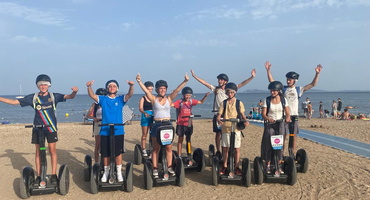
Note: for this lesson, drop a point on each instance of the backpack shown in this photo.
(268, 103)
(178, 110)
(35, 96)
(240, 125)
(298, 89)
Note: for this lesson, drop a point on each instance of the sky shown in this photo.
(75, 41)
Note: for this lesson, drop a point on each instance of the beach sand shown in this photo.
(332, 174)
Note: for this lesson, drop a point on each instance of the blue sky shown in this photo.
(75, 41)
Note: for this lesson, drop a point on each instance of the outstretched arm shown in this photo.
(130, 90)
(173, 95)
(90, 91)
(9, 101)
(253, 74)
(315, 79)
(146, 91)
(201, 80)
(73, 94)
(204, 98)
(268, 70)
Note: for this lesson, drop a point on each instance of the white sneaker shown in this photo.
(155, 172)
(119, 177)
(104, 178)
(145, 153)
(171, 171)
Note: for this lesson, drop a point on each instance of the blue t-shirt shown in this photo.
(44, 111)
(112, 113)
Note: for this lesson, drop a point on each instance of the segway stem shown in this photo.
(291, 137)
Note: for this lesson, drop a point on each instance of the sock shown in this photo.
(106, 170)
(119, 169)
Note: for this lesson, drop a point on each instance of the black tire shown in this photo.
(215, 171)
(63, 180)
(87, 168)
(129, 184)
(174, 156)
(258, 170)
(199, 158)
(137, 155)
(291, 170)
(211, 153)
(302, 159)
(26, 182)
(246, 169)
(94, 178)
(180, 172)
(148, 178)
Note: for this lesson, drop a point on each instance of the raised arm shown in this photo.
(204, 98)
(9, 101)
(253, 74)
(174, 93)
(268, 70)
(73, 94)
(90, 91)
(209, 86)
(315, 79)
(146, 91)
(130, 90)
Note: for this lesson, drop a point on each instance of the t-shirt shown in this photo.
(44, 110)
(230, 112)
(112, 113)
(292, 97)
(185, 110)
(220, 96)
(276, 110)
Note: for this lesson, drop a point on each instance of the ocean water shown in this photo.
(77, 107)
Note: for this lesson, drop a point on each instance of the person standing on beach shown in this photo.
(305, 107)
(220, 96)
(321, 110)
(44, 103)
(146, 109)
(293, 93)
(309, 110)
(334, 109)
(339, 107)
(112, 105)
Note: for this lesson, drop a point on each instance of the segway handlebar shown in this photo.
(191, 116)
(111, 124)
(37, 126)
(234, 120)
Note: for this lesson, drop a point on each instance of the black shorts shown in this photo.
(50, 137)
(184, 130)
(216, 128)
(105, 145)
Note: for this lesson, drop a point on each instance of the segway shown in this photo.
(139, 157)
(165, 136)
(212, 152)
(43, 184)
(301, 157)
(288, 165)
(197, 160)
(97, 170)
(230, 176)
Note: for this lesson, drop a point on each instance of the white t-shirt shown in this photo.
(220, 97)
(276, 110)
(292, 97)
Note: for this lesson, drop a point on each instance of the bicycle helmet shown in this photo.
(292, 75)
(101, 91)
(111, 81)
(223, 77)
(161, 83)
(275, 85)
(43, 78)
(231, 86)
(187, 90)
(149, 84)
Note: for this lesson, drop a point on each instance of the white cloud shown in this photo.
(127, 26)
(22, 38)
(218, 13)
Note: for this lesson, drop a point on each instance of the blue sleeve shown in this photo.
(26, 101)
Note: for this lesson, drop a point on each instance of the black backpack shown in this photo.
(268, 103)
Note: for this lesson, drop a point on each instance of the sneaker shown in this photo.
(155, 173)
(223, 171)
(145, 153)
(281, 170)
(104, 178)
(268, 169)
(171, 171)
(190, 163)
(119, 177)
(238, 171)
(54, 179)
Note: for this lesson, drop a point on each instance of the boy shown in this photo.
(44, 103)
(230, 112)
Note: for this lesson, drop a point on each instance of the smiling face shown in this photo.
(150, 89)
(187, 97)
(290, 82)
(43, 88)
(161, 91)
(112, 88)
(274, 93)
(230, 93)
(221, 82)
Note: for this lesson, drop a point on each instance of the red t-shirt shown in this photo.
(185, 110)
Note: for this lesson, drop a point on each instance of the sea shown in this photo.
(73, 110)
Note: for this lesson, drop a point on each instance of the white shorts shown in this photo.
(225, 139)
(96, 128)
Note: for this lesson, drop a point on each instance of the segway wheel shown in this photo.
(26, 182)
(148, 178)
(87, 168)
(215, 171)
(63, 180)
(137, 155)
(291, 169)
(199, 158)
(258, 170)
(180, 172)
(246, 169)
(129, 186)
(302, 159)
(94, 178)
(211, 153)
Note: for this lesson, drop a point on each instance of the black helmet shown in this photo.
(43, 77)
(223, 77)
(149, 84)
(111, 81)
(161, 83)
(232, 86)
(275, 85)
(187, 90)
(292, 75)
(101, 91)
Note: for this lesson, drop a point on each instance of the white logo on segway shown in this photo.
(166, 136)
(277, 142)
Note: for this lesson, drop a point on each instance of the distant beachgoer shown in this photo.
(321, 111)
(304, 107)
(309, 110)
(345, 115)
(339, 108)
(334, 109)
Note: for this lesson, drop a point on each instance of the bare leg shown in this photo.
(144, 131)
(217, 141)
(237, 157)
(169, 154)
(54, 158)
(155, 152)
(179, 145)
(225, 155)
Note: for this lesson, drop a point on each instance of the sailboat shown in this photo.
(20, 93)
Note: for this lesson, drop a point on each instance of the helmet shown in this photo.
(148, 84)
(101, 91)
(43, 77)
(223, 77)
(231, 86)
(292, 75)
(111, 81)
(187, 90)
(275, 85)
(161, 83)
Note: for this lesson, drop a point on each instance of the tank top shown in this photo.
(160, 111)
(147, 105)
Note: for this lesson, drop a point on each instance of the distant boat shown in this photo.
(20, 93)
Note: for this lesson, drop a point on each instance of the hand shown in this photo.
(138, 77)
(267, 65)
(89, 83)
(74, 89)
(186, 77)
(246, 123)
(318, 68)
(207, 94)
(287, 120)
(130, 83)
(192, 73)
(253, 72)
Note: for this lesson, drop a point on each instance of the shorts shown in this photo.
(155, 126)
(294, 124)
(96, 128)
(184, 130)
(146, 121)
(216, 127)
(225, 139)
(50, 137)
(105, 145)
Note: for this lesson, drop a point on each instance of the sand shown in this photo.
(332, 174)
